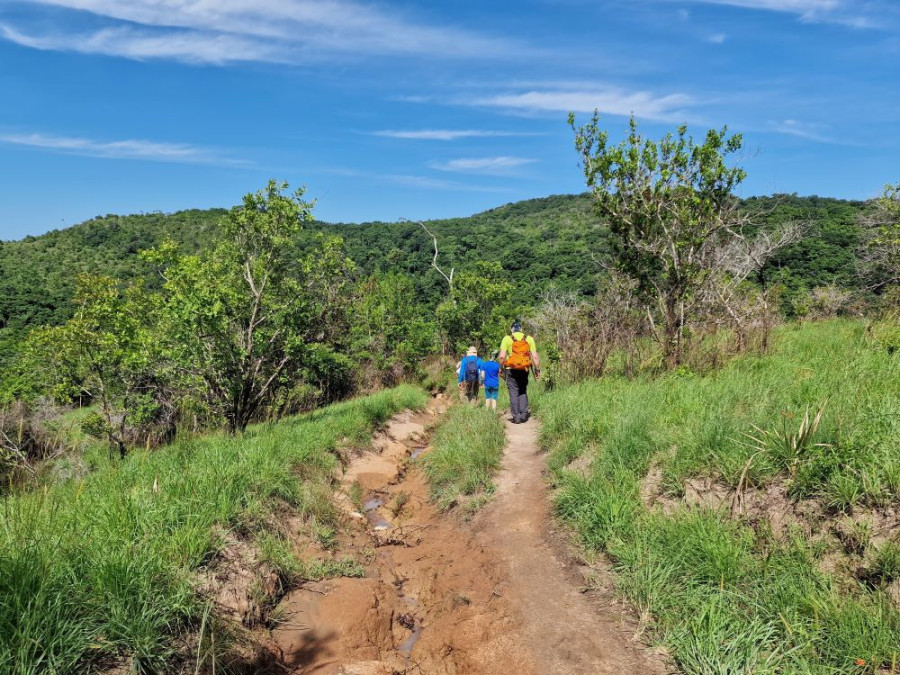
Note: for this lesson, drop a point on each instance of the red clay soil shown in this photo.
(445, 597)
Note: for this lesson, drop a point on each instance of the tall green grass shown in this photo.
(95, 569)
(468, 447)
(724, 596)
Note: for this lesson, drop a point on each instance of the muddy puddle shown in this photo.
(372, 508)
(431, 600)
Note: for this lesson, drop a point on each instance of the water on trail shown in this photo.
(492, 596)
(372, 508)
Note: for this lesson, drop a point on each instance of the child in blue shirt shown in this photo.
(490, 378)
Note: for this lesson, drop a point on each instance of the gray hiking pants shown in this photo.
(517, 383)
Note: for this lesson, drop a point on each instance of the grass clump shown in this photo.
(886, 566)
(101, 568)
(468, 447)
(820, 415)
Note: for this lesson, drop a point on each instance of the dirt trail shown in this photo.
(445, 597)
(567, 629)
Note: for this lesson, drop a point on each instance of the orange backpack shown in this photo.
(520, 359)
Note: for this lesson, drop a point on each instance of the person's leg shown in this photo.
(490, 397)
(524, 410)
(520, 377)
(473, 393)
(512, 385)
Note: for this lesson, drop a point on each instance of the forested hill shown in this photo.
(540, 242)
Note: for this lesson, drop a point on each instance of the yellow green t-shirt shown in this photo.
(507, 342)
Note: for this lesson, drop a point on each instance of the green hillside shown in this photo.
(552, 241)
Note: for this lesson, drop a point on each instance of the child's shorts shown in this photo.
(491, 393)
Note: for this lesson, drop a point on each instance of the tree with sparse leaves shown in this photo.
(669, 204)
(880, 254)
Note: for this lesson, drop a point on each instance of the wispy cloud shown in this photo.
(128, 149)
(808, 130)
(447, 134)
(202, 31)
(483, 165)
(853, 13)
(138, 44)
(795, 6)
(416, 181)
(608, 100)
(717, 38)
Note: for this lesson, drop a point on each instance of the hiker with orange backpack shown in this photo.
(518, 356)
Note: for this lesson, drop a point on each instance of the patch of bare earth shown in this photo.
(849, 540)
(497, 595)
(432, 599)
(569, 615)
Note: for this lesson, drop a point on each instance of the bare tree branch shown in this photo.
(448, 278)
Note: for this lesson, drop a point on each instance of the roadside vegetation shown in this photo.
(104, 569)
(811, 429)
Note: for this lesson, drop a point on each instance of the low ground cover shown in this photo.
(468, 447)
(100, 568)
(728, 593)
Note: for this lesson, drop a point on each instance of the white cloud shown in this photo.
(408, 180)
(139, 44)
(484, 165)
(611, 101)
(128, 149)
(717, 38)
(795, 6)
(446, 134)
(807, 130)
(207, 31)
(853, 13)
(436, 183)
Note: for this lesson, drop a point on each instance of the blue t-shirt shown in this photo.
(462, 366)
(491, 370)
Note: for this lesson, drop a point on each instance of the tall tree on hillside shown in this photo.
(237, 319)
(669, 204)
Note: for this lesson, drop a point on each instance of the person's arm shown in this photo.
(535, 359)
(501, 358)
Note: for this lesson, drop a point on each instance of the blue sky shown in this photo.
(420, 110)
